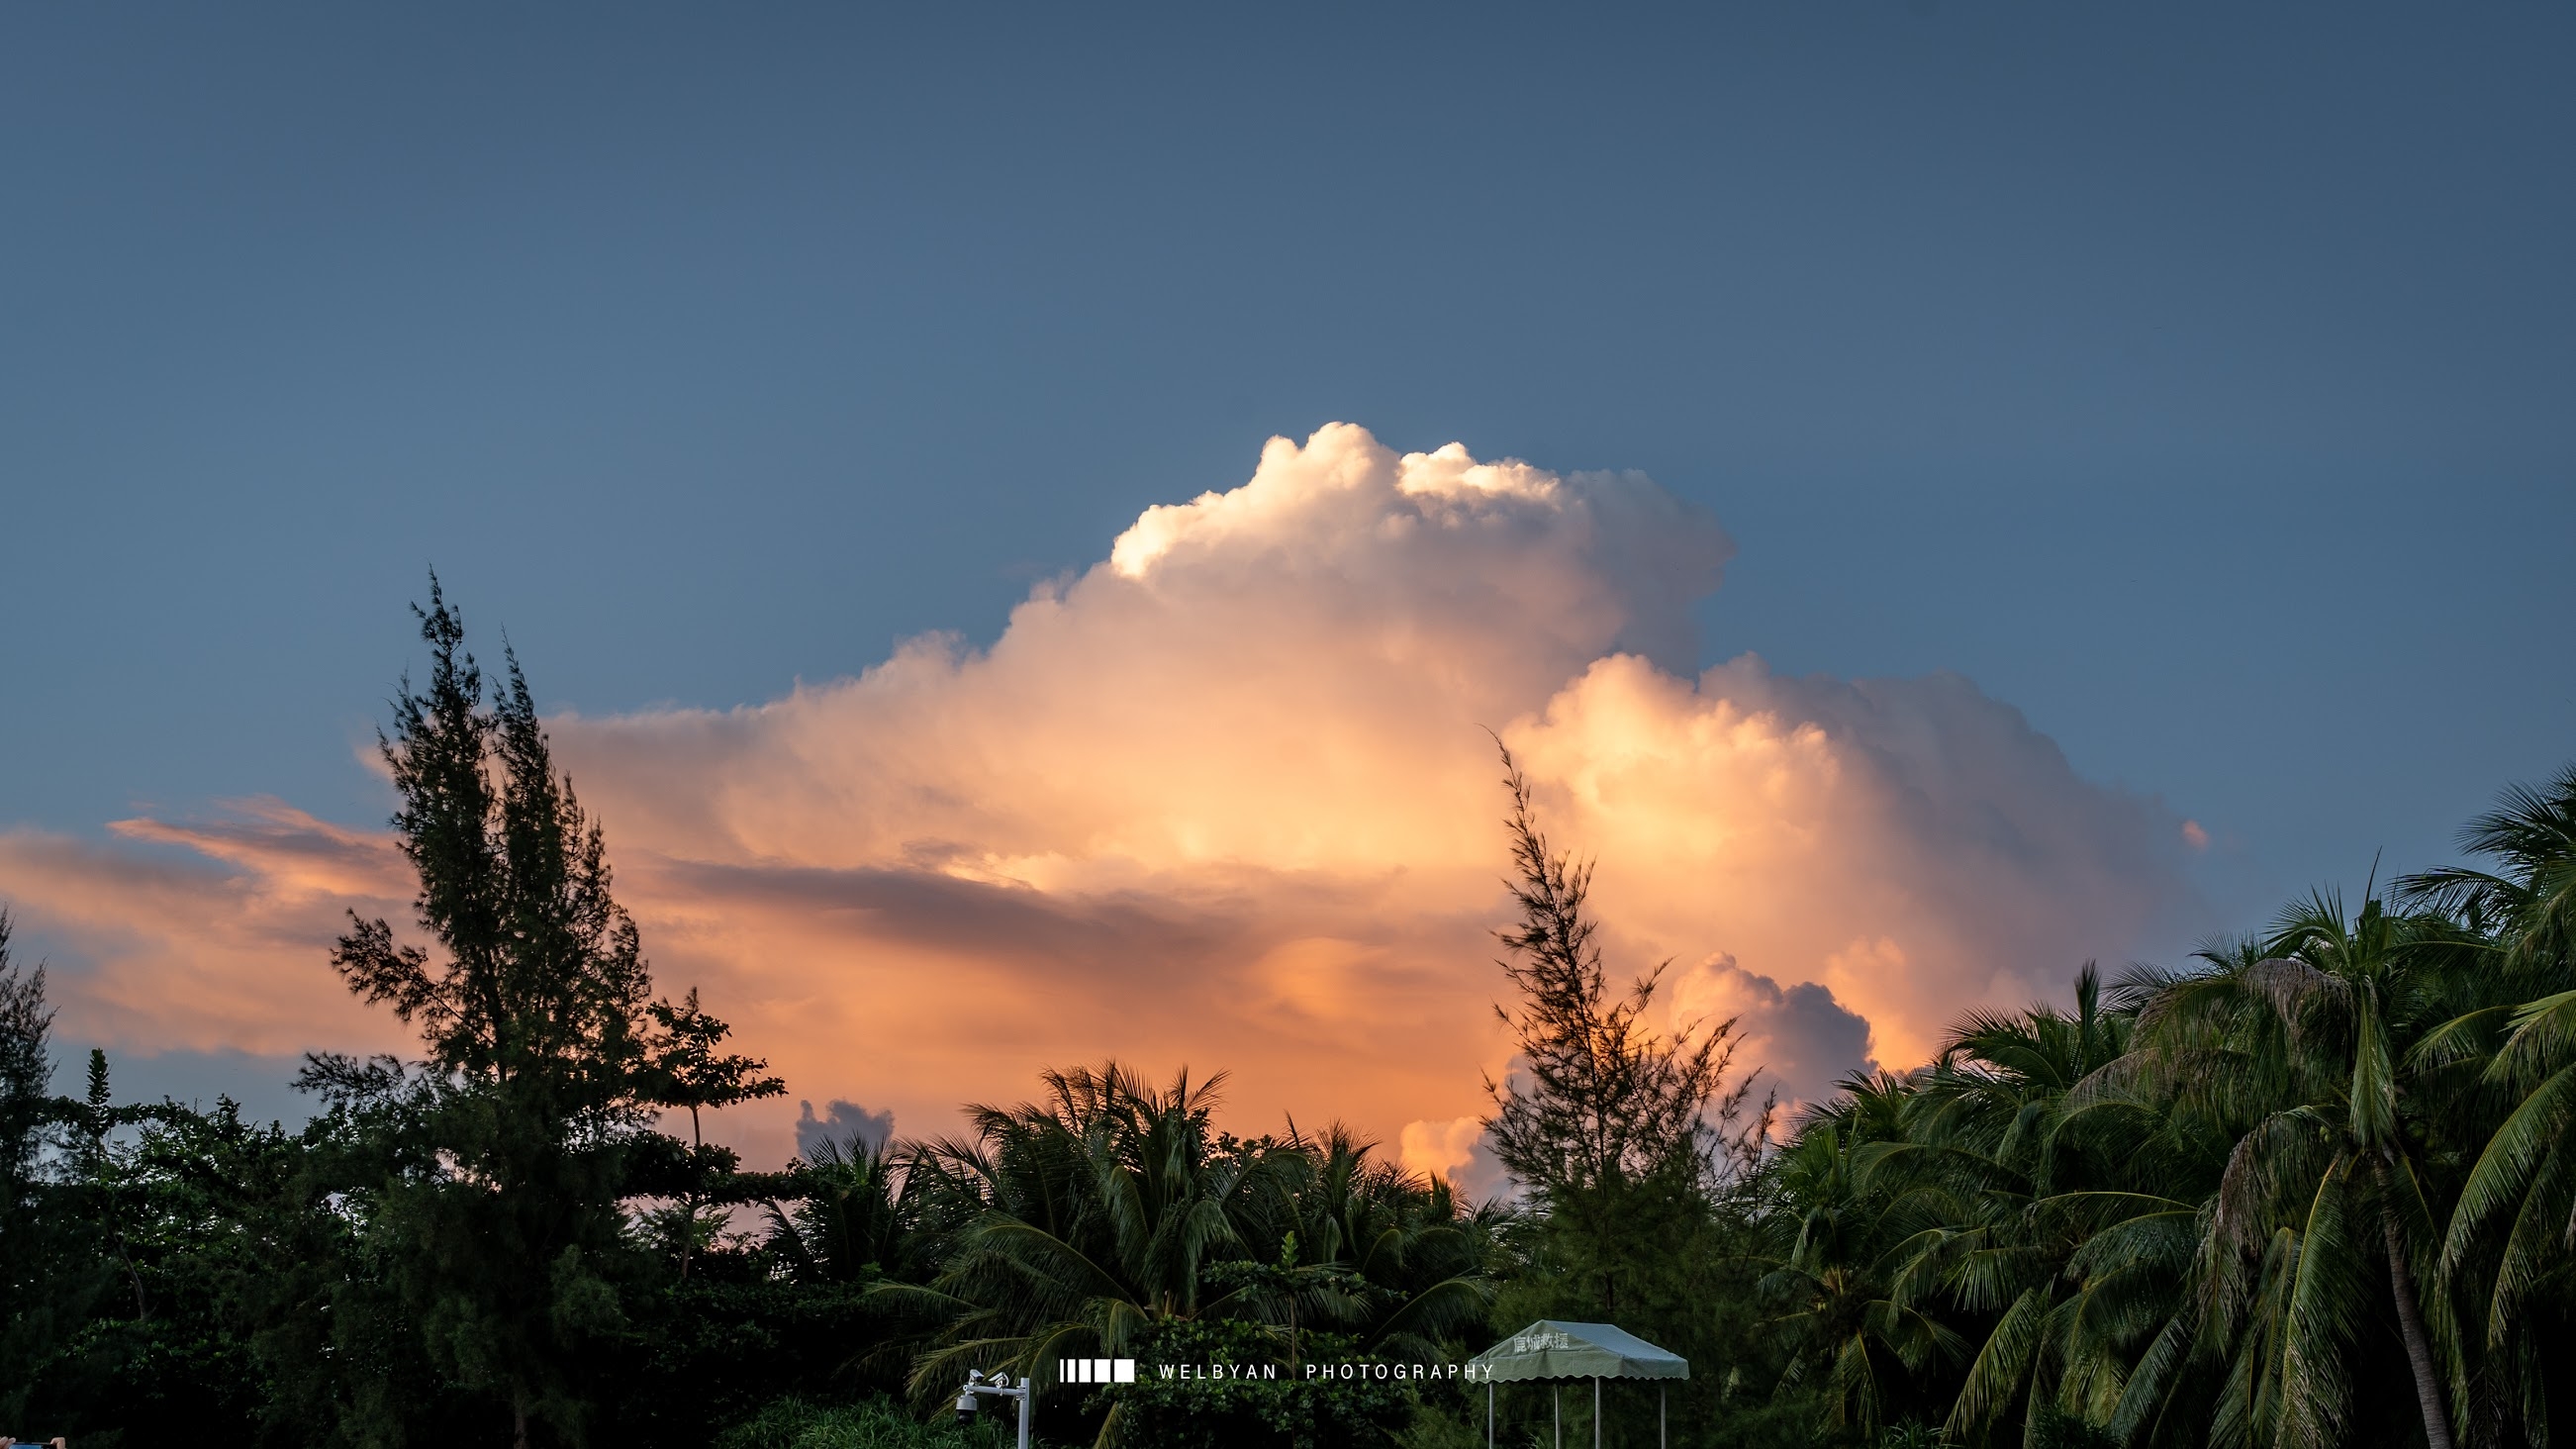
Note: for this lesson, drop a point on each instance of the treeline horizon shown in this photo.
(2314, 1186)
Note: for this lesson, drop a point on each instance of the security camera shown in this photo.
(977, 1386)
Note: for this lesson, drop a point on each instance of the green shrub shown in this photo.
(1289, 1412)
(878, 1423)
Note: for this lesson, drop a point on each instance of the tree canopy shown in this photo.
(2313, 1186)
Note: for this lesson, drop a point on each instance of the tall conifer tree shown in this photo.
(1601, 1098)
(509, 1145)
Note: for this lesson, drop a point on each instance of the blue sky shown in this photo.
(2197, 380)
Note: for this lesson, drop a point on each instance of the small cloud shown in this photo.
(1456, 1148)
(1797, 1037)
(844, 1124)
(1437, 1149)
(2194, 836)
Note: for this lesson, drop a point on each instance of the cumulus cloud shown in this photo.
(1799, 1038)
(1225, 799)
(1459, 1149)
(843, 1125)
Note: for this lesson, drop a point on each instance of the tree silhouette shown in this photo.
(689, 1071)
(503, 1155)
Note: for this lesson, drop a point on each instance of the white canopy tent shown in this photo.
(1550, 1351)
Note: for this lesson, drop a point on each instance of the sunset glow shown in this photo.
(1227, 799)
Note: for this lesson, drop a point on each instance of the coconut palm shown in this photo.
(2505, 1260)
(1837, 1254)
(1096, 1211)
(1112, 1210)
(860, 1215)
(2531, 903)
(2051, 1235)
(2296, 1056)
(2505, 1255)
(1391, 1256)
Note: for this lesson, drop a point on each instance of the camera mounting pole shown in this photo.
(1000, 1387)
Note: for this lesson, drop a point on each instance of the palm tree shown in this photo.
(1097, 1211)
(1837, 1255)
(2047, 1230)
(2505, 1253)
(2201, 1209)
(2362, 976)
(1407, 1268)
(2295, 1056)
(2531, 904)
(860, 1215)
(1113, 1211)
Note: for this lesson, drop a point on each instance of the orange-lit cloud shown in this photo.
(221, 943)
(1226, 799)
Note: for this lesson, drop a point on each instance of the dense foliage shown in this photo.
(2315, 1189)
(2316, 1186)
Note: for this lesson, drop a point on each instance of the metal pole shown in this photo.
(1489, 1414)
(1556, 1398)
(1028, 1397)
(1663, 1405)
(1596, 1411)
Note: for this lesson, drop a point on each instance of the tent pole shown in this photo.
(1556, 1399)
(1489, 1414)
(1596, 1411)
(1663, 1407)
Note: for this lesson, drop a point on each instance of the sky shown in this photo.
(1940, 492)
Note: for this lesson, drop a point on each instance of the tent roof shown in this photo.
(1548, 1349)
